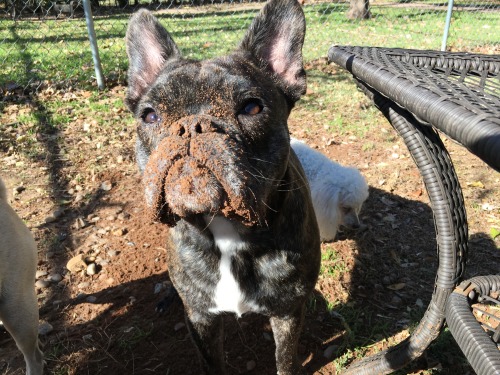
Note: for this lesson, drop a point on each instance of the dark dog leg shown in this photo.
(286, 336)
(208, 336)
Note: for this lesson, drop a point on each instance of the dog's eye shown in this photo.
(150, 117)
(252, 108)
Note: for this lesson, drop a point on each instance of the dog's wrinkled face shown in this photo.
(212, 135)
(210, 132)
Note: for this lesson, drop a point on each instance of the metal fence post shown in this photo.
(93, 44)
(447, 25)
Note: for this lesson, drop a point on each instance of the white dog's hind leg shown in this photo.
(20, 319)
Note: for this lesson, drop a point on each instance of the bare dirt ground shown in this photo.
(80, 193)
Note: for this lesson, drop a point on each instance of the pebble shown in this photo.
(120, 232)
(112, 253)
(329, 351)
(83, 285)
(50, 219)
(251, 365)
(179, 326)
(106, 186)
(81, 296)
(91, 269)
(42, 284)
(40, 274)
(58, 212)
(77, 263)
(45, 328)
(123, 216)
(396, 300)
(55, 277)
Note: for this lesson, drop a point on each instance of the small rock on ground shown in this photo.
(45, 328)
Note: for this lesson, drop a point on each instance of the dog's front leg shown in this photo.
(286, 331)
(208, 336)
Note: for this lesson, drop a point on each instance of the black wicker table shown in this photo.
(421, 92)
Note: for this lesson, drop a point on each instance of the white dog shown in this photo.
(18, 302)
(337, 192)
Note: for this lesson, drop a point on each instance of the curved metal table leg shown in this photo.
(479, 348)
(450, 220)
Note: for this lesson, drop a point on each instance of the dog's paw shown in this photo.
(167, 300)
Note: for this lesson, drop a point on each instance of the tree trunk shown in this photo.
(359, 10)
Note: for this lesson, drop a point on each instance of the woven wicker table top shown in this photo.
(457, 93)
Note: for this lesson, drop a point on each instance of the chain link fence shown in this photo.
(43, 42)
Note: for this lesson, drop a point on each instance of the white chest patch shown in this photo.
(228, 295)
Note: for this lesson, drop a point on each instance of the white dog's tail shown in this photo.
(3, 191)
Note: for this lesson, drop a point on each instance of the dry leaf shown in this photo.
(397, 286)
(395, 256)
(477, 184)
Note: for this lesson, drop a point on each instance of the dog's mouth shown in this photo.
(200, 175)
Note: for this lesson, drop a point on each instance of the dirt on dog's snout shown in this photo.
(193, 173)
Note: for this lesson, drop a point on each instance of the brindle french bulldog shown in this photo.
(214, 149)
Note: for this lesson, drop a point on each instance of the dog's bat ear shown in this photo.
(149, 45)
(275, 40)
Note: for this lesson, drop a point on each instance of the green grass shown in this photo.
(133, 337)
(325, 103)
(331, 265)
(58, 50)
